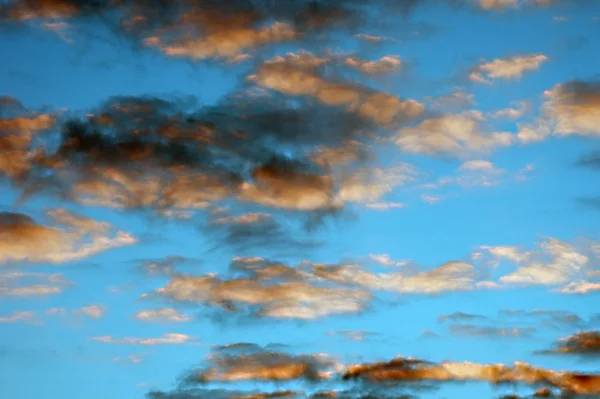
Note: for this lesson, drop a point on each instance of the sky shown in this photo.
(251, 199)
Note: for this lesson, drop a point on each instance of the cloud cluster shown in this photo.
(259, 287)
(409, 370)
(26, 284)
(248, 362)
(259, 148)
(555, 263)
(202, 30)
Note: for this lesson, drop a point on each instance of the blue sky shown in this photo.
(175, 182)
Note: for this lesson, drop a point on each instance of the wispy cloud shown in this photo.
(166, 339)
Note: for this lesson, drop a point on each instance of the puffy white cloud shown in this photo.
(507, 68)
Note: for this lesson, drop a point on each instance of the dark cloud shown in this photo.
(392, 379)
(247, 362)
(591, 160)
(585, 343)
(212, 29)
(222, 394)
(247, 232)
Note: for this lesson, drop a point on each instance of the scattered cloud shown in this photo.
(24, 284)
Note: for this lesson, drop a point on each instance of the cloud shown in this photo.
(288, 76)
(23, 284)
(166, 339)
(575, 107)
(451, 135)
(17, 136)
(248, 362)
(70, 237)
(352, 335)
(259, 287)
(517, 112)
(413, 370)
(59, 28)
(162, 315)
(374, 38)
(131, 359)
(367, 185)
(384, 206)
(459, 316)
(466, 330)
(430, 199)
(591, 160)
(385, 260)
(547, 318)
(223, 43)
(267, 289)
(506, 68)
(565, 263)
(164, 266)
(92, 311)
(498, 4)
(457, 100)
(19, 317)
(582, 343)
(386, 64)
(513, 254)
(571, 108)
(451, 276)
(579, 287)
(250, 149)
(480, 166)
(255, 230)
(203, 30)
